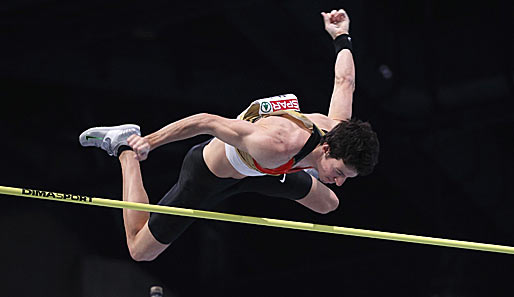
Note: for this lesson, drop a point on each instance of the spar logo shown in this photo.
(265, 107)
(46, 194)
(276, 105)
(287, 104)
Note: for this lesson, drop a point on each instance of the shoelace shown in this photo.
(106, 144)
(125, 133)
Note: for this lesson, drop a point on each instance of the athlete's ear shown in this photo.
(325, 148)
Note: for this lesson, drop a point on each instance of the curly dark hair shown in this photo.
(355, 143)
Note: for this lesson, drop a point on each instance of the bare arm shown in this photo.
(241, 134)
(337, 23)
(228, 130)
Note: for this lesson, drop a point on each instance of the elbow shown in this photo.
(347, 81)
(204, 117)
(205, 122)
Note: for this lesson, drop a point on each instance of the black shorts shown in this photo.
(198, 188)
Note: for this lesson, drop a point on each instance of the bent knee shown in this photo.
(320, 199)
(138, 254)
(144, 247)
(141, 257)
(330, 205)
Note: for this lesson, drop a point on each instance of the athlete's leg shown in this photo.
(299, 186)
(141, 243)
(320, 198)
(196, 188)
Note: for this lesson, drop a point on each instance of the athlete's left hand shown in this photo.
(140, 146)
(337, 22)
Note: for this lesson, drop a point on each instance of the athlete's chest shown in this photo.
(284, 133)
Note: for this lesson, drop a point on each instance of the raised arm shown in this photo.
(336, 24)
(238, 133)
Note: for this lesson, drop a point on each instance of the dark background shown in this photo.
(435, 78)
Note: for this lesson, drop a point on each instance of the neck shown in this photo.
(311, 160)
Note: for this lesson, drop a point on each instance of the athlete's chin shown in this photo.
(324, 180)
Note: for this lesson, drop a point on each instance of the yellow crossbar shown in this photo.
(254, 220)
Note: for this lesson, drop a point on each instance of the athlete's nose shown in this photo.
(339, 180)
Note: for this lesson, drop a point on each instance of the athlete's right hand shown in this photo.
(140, 146)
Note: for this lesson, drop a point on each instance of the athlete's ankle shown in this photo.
(123, 148)
(127, 153)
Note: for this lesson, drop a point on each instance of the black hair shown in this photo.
(355, 142)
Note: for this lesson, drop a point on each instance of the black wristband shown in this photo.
(343, 41)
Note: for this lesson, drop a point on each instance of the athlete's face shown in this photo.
(334, 171)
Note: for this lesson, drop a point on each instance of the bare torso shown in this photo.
(286, 130)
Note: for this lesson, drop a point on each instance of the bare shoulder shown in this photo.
(322, 121)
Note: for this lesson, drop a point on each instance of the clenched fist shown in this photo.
(337, 22)
(140, 146)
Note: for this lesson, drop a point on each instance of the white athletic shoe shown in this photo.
(108, 138)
